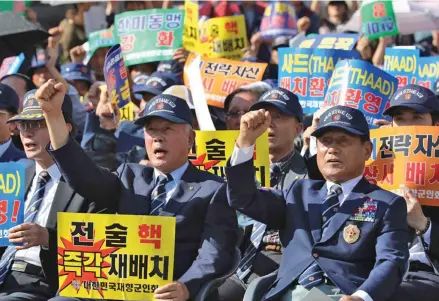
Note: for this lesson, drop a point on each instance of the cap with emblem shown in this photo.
(415, 97)
(32, 111)
(8, 99)
(156, 83)
(284, 100)
(76, 71)
(182, 92)
(343, 118)
(169, 107)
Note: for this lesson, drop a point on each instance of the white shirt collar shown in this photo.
(53, 171)
(176, 174)
(347, 186)
(5, 146)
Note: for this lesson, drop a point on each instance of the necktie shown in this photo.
(275, 174)
(245, 265)
(159, 194)
(29, 216)
(313, 275)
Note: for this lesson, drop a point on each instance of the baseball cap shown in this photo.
(345, 118)
(76, 71)
(156, 83)
(32, 111)
(415, 97)
(284, 100)
(436, 87)
(8, 99)
(182, 92)
(169, 107)
(256, 87)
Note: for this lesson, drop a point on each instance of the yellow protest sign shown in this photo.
(190, 33)
(222, 76)
(224, 37)
(114, 257)
(126, 112)
(409, 156)
(213, 148)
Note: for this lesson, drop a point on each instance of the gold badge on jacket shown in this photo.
(351, 234)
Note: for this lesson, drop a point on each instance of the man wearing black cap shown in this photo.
(206, 226)
(262, 253)
(342, 236)
(8, 108)
(29, 271)
(414, 105)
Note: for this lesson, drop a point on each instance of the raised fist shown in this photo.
(50, 96)
(253, 125)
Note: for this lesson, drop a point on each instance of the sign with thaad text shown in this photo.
(406, 156)
(306, 73)
(410, 68)
(149, 35)
(12, 190)
(114, 257)
(362, 86)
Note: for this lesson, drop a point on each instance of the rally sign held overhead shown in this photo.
(114, 257)
(362, 86)
(98, 39)
(116, 77)
(406, 156)
(410, 68)
(306, 73)
(378, 19)
(213, 148)
(149, 35)
(342, 41)
(279, 20)
(12, 190)
(222, 76)
(190, 34)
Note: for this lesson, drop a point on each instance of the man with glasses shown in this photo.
(28, 270)
(8, 108)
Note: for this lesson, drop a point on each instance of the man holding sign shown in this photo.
(342, 236)
(414, 105)
(206, 226)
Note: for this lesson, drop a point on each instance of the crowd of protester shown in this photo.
(58, 119)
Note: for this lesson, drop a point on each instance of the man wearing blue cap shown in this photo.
(8, 108)
(206, 227)
(262, 253)
(342, 236)
(414, 105)
(77, 75)
(28, 269)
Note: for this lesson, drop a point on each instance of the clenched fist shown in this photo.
(50, 96)
(253, 125)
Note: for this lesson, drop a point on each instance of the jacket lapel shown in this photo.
(354, 200)
(62, 198)
(315, 211)
(30, 174)
(184, 191)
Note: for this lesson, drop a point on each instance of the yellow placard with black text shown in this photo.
(114, 257)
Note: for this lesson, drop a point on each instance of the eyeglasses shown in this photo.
(30, 125)
(235, 114)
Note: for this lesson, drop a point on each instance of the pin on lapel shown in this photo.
(191, 188)
(351, 234)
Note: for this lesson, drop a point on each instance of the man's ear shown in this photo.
(191, 139)
(69, 127)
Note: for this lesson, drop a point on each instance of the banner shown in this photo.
(360, 85)
(214, 148)
(224, 37)
(12, 190)
(116, 77)
(127, 112)
(11, 65)
(222, 76)
(306, 73)
(279, 20)
(17, 7)
(190, 33)
(114, 257)
(409, 156)
(98, 39)
(410, 68)
(149, 35)
(378, 19)
(343, 41)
